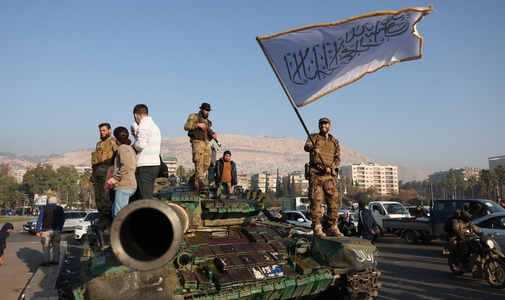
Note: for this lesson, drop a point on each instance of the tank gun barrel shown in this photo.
(147, 234)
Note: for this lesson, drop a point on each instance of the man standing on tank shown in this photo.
(100, 160)
(147, 144)
(322, 173)
(199, 130)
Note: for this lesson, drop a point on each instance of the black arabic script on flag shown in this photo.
(321, 60)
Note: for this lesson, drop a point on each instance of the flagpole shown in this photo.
(287, 94)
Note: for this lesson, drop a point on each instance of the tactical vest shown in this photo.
(198, 133)
(103, 153)
(326, 151)
(52, 217)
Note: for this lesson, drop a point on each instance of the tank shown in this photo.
(208, 245)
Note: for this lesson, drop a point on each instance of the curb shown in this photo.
(42, 286)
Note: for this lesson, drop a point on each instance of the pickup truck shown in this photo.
(440, 210)
(385, 210)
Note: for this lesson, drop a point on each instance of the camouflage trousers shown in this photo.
(201, 157)
(323, 186)
(102, 202)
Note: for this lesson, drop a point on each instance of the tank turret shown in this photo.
(208, 245)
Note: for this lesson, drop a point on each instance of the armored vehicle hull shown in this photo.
(207, 245)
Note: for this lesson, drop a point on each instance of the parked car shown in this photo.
(493, 224)
(82, 228)
(8, 212)
(72, 218)
(298, 217)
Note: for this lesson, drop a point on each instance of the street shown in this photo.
(408, 271)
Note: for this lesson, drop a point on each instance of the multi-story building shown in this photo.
(299, 179)
(19, 175)
(82, 169)
(260, 181)
(495, 161)
(243, 181)
(385, 178)
(464, 172)
(171, 162)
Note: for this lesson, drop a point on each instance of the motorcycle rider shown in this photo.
(451, 236)
(465, 232)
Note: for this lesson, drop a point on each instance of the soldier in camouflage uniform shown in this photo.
(100, 160)
(200, 133)
(464, 230)
(322, 172)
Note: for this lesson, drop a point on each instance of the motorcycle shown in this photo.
(486, 261)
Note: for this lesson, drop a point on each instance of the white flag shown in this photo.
(316, 60)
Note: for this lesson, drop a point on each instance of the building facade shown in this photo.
(463, 172)
(495, 161)
(261, 181)
(385, 178)
(243, 181)
(299, 180)
(171, 162)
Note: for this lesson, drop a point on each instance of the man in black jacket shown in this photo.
(49, 226)
(225, 170)
(366, 223)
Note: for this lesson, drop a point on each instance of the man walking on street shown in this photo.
(199, 130)
(366, 222)
(322, 173)
(148, 145)
(226, 170)
(49, 226)
(101, 160)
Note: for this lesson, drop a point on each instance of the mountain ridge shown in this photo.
(251, 154)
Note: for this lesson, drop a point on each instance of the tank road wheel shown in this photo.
(410, 238)
(452, 260)
(494, 270)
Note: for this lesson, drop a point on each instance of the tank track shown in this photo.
(361, 285)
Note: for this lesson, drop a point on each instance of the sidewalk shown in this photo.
(21, 264)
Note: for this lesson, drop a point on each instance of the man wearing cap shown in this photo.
(199, 130)
(226, 170)
(49, 226)
(322, 171)
(464, 230)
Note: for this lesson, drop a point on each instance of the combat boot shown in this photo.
(318, 231)
(333, 231)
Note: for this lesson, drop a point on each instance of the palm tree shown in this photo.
(487, 177)
(451, 181)
(472, 181)
(500, 175)
(462, 185)
(444, 183)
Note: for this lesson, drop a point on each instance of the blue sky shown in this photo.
(66, 66)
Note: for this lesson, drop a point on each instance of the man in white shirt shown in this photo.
(147, 145)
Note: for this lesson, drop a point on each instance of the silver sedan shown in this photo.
(493, 224)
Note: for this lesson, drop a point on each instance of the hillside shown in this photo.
(251, 154)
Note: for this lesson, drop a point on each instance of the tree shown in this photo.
(40, 179)
(84, 185)
(472, 181)
(488, 177)
(406, 195)
(4, 169)
(462, 185)
(451, 181)
(500, 176)
(9, 192)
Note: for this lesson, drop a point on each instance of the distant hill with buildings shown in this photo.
(251, 154)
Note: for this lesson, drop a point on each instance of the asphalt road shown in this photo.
(421, 272)
(408, 271)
